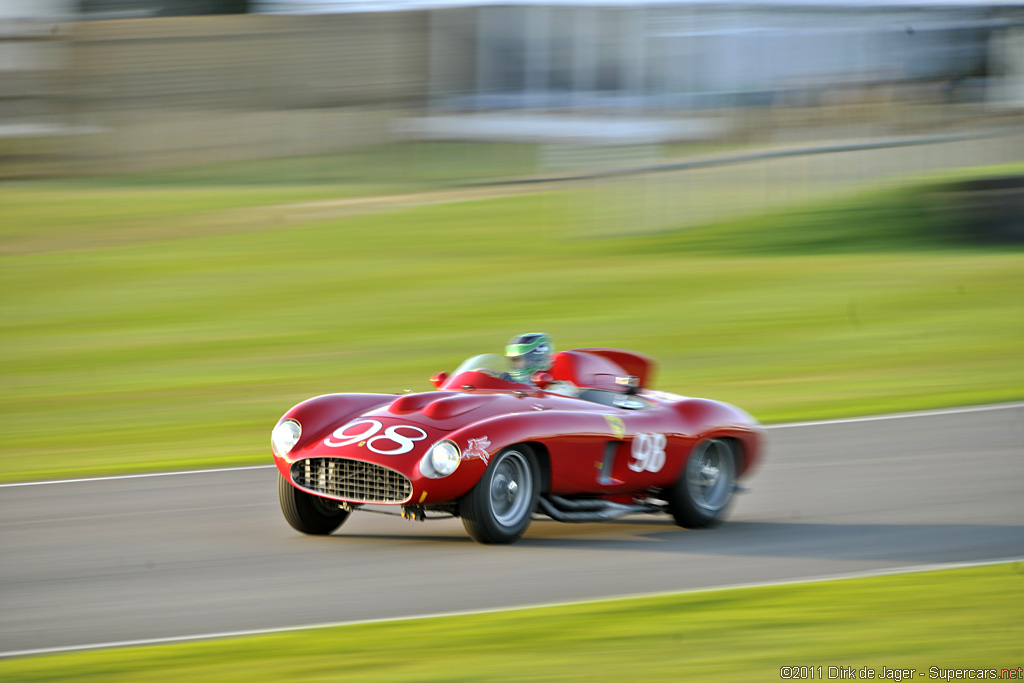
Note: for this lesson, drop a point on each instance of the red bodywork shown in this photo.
(606, 443)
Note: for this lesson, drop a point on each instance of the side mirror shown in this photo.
(439, 379)
(542, 379)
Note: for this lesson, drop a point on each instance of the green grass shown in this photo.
(956, 619)
(168, 326)
(924, 216)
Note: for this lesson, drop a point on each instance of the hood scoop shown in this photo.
(438, 405)
(453, 406)
(412, 403)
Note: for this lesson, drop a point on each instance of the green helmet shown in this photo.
(529, 353)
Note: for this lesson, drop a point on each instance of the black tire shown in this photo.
(705, 486)
(308, 513)
(499, 508)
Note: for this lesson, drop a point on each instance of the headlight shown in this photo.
(285, 435)
(441, 461)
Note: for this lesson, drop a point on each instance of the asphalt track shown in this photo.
(101, 561)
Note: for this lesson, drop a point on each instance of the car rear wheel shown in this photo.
(498, 509)
(308, 513)
(705, 487)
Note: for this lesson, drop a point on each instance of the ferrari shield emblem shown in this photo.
(615, 424)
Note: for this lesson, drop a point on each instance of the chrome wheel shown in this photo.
(710, 475)
(499, 508)
(705, 487)
(511, 488)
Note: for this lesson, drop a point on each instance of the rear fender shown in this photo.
(707, 419)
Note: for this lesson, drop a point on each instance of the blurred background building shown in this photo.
(112, 85)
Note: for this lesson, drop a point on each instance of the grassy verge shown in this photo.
(958, 619)
(162, 328)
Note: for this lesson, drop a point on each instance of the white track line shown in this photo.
(788, 425)
(143, 475)
(901, 416)
(870, 573)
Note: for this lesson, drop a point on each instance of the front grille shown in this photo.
(353, 480)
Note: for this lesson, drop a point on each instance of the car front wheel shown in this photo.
(705, 487)
(308, 513)
(498, 509)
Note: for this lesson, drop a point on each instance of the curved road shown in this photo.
(116, 560)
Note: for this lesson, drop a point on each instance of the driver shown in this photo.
(532, 352)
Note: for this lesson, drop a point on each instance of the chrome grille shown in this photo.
(353, 480)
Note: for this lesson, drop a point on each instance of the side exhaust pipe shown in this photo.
(590, 509)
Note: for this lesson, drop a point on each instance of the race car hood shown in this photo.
(397, 434)
(410, 423)
(451, 410)
(441, 409)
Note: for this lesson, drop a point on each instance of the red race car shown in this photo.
(495, 451)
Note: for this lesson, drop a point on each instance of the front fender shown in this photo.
(317, 416)
(570, 442)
